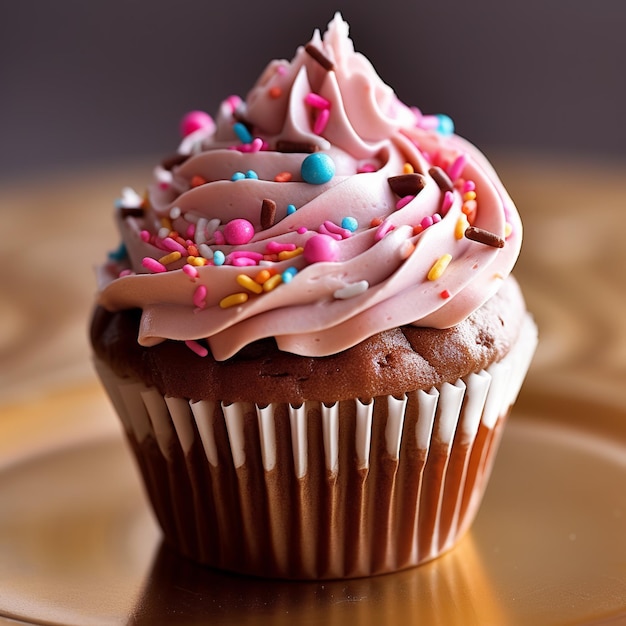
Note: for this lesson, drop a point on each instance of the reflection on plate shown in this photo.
(78, 544)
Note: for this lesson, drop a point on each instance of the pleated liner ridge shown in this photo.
(319, 491)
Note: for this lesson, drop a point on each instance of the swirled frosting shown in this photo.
(319, 210)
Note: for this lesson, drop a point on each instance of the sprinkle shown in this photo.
(275, 246)
(385, 227)
(508, 229)
(233, 300)
(400, 204)
(243, 262)
(407, 184)
(195, 120)
(445, 125)
(288, 274)
(317, 55)
(272, 282)
(468, 185)
(441, 178)
(283, 177)
(301, 230)
(194, 346)
(318, 168)
(275, 92)
(439, 267)
(407, 168)
(295, 146)
(290, 254)
(484, 236)
(316, 101)
(252, 174)
(190, 270)
(446, 202)
(321, 121)
(205, 250)
(237, 176)
(350, 223)
(268, 213)
(456, 169)
(469, 195)
(426, 222)
(262, 276)
(445, 294)
(461, 226)
(219, 257)
(172, 257)
(170, 244)
(166, 222)
(333, 229)
(144, 235)
(125, 273)
(291, 208)
(153, 265)
(366, 168)
(197, 181)
(245, 254)
(376, 221)
(199, 296)
(242, 132)
(349, 291)
(469, 207)
(248, 283)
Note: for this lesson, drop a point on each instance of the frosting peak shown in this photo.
(318, 210)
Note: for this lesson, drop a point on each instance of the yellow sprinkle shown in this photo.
(439, 267)
(272, 282)
(198, 261)
(289, 254)
(262, 276)
(233, 300)
(461, 226)
(469, 195)
(408, 169)
(172, 257)
(248, 283)
(508, 229)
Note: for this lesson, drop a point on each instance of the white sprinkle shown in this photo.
(164, 232)
(200, 234)
(212, 226)
(354, 289)
(175, 212)
(205, 250)
(192, 217)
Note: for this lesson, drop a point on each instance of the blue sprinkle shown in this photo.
(119, 254)
(318, 168)
(291, 208)
(219, 257)
(252, 174)
(242, 132)
(288, 274)
(349, 223)
(446, 125)
(238, 176)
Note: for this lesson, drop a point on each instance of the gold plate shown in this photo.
(78, 545)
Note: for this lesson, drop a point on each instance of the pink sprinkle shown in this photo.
(281, 69)
(333, 228)
(233, 102)
(321, 121)
(366, 168)
(322, 229)
(125, 273)
(436, 218)
(402, 202)
(242, 262)
(256, 145)
(174, 246)
(218, 235)
(426, 222)
(428, 122)
(302, 230)
(153, 265)
(191, 271)
(247, 254)
(275, 247)
(446, 203)
(317, 101)
(385, 227)
(469, 185)
(191, 231)
(194, 346)
(199, 296)
(144, 235)
(456, 169)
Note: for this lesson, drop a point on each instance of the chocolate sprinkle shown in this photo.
(320, 57)
(131, 211)
(295, 146)
(441, 178)
(407, 184)
(268, 213)
(484, 236)
(176, 159)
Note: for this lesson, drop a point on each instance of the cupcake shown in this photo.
(310, 331)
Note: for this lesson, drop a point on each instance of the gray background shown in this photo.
(93, 81)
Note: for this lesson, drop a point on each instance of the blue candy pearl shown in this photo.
(446, 125)
(318, 168)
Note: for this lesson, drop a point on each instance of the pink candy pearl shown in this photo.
(321, 248)
(194, 120)
(238, 232)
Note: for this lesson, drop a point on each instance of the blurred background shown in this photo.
(90, 82)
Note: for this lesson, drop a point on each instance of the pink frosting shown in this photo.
(354, 258)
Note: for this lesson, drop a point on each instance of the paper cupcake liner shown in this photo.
(318, 490)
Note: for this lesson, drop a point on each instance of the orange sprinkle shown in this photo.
(193, 250)
(417, 229)
(262, 276)
(275, 92)
(469, 207)
(408, 169)
(377, 221)
(283, 177)
(290, 254)
(197, 181)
